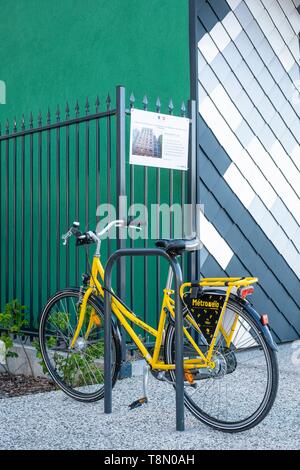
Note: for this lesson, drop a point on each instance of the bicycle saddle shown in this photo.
(179, 245)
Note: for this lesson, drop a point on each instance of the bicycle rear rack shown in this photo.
(179, 371)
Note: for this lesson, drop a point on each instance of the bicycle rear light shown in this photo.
(245, 291)
(264, 319)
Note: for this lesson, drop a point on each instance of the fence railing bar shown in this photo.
(31, 221)
(22, 214)
(146, 270)
(182, 180)
(40, 221)
(15, 231)
(171, 182)
(108, 174)
(157, 235)
(146, 285)
(77, 187)
(132, 271)
(48, 206)
(7, 217)
(87, 170)
(58, 206)
(132, 200)
(97, 162)
(68, 222)
(60, 124)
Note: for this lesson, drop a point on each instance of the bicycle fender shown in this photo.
(255, 316)
(265, 329)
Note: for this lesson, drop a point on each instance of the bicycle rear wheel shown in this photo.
(78, 371)
(241, 390)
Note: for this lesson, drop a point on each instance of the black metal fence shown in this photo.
(61, 170)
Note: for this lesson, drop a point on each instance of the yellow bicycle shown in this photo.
(230, 361)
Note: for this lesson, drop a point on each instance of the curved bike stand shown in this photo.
(179, 372)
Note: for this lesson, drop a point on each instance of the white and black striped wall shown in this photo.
(245, 76)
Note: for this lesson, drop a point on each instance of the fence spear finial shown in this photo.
(7, 126)
(15, 124)
(183, 109)
(23, 122)
(97, 104)
(158, 105)
(171, 106)
(132, 100)
(31, 120)
(87, 106)
(48, 116)
(108, 101)
(39, 119)
(145, 103)
(67, 111)
(77, 108)
(57, 113)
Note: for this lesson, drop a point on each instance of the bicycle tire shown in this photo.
(74, 393)
(270, 394)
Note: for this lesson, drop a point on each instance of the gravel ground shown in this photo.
(53, 421)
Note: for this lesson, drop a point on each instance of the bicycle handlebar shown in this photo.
(91, 237)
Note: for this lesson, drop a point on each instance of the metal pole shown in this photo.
(178, 328)
(179, 371)
(193, 260)
(121, 193)
(107, 339)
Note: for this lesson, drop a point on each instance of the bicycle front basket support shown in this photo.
(179, 372)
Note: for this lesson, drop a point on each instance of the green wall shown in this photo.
(51, 52)
(55, 51)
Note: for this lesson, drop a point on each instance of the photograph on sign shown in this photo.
(159, 140)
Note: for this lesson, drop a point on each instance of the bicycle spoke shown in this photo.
(80, 368)
(235, 387)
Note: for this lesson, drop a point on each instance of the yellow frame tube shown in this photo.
(122, 313)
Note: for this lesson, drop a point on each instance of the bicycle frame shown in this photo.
(124, 315)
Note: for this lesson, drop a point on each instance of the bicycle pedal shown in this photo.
(137, 403)
(189, 378)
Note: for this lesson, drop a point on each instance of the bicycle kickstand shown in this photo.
(144, 399)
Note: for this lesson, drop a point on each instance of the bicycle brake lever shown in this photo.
(65, 237)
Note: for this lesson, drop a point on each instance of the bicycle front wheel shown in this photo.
(239, 392)
(77, 370)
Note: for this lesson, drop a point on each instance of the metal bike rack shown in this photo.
(179, 372)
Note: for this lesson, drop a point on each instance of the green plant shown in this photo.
(68, 363)
(36, 345)
(12, 320)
